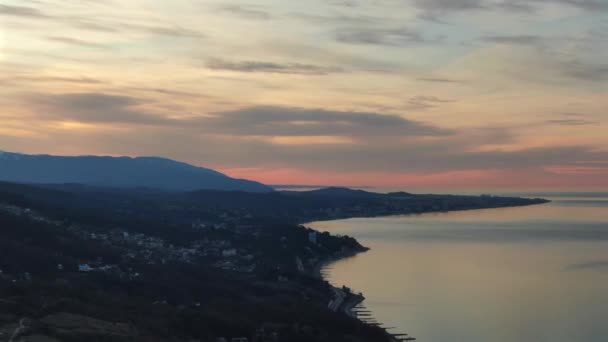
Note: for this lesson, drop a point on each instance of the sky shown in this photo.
(504, 94)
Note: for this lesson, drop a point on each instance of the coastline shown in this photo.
(316, 271)
(347, 217)
(351, 300)
(345, 300)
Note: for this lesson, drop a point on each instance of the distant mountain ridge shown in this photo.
(119, 172)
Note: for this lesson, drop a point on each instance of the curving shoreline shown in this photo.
(349, 301)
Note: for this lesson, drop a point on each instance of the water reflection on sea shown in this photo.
(530, 274)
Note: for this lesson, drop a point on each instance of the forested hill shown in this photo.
(240, 206)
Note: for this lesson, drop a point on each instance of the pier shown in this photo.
(352, 305)
(366, 316)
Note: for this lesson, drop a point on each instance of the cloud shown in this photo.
(379, 36)
(270, 67)
(595, 265)
(452, 153)
(585, 71)
(162, 30)
(315, 140)
(571, 122)
(251, 121)
(21, 11)
(448, 5)
(99, 24)
(126, 26)
(283, 121)
(439, 80)
(77, 42)
(516, 40)
(590, 5)
(433, 9)
(82, 80)
(339, 19)
(424, 102)
(171, 92)
(345, 3)
(246, 12)
(93, 108)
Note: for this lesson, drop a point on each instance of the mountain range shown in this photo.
(119, 172)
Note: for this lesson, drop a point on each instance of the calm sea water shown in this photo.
(529, 274)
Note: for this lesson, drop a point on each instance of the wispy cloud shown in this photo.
(93, 108)
(520, 40)
(247, 12)
(76, 41)
(102, 24)
(318, 122)
(439, 7)
(595, 265)
(271, 67)
(21, 11)
(380, 36)
(439, 80)
(571, 122)
(425, 102)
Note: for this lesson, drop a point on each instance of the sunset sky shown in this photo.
(505, 94)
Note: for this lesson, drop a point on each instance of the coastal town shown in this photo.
(229, 253)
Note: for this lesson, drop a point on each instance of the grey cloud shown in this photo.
(379, 36)
(451, 153)
(93, 108)
(380, 141)
(83, 80)
(100, 24)
(585, 71)
(571, 119)
(77, 42)
(270, 67)
(272, 121)
(338, 19)
(517, 40)
(172, 31)
(246, 12)
(448, 5)
(591, 5)
(520, 7)
(344, 3)
(125, 27)
(596, 265)
(438, 80)
(90, 26)
(432, 99)
(425, 102)
(253, 121)
(432, 9)
(21, 11)
(419, 156)
(171, 92)
(571, 122)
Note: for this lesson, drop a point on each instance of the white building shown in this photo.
(85, 268)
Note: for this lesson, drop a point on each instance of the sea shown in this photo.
(527, 274)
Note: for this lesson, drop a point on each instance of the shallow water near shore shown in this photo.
(530, 274)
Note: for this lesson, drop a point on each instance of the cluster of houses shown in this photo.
(142, 248)
(26, 212)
